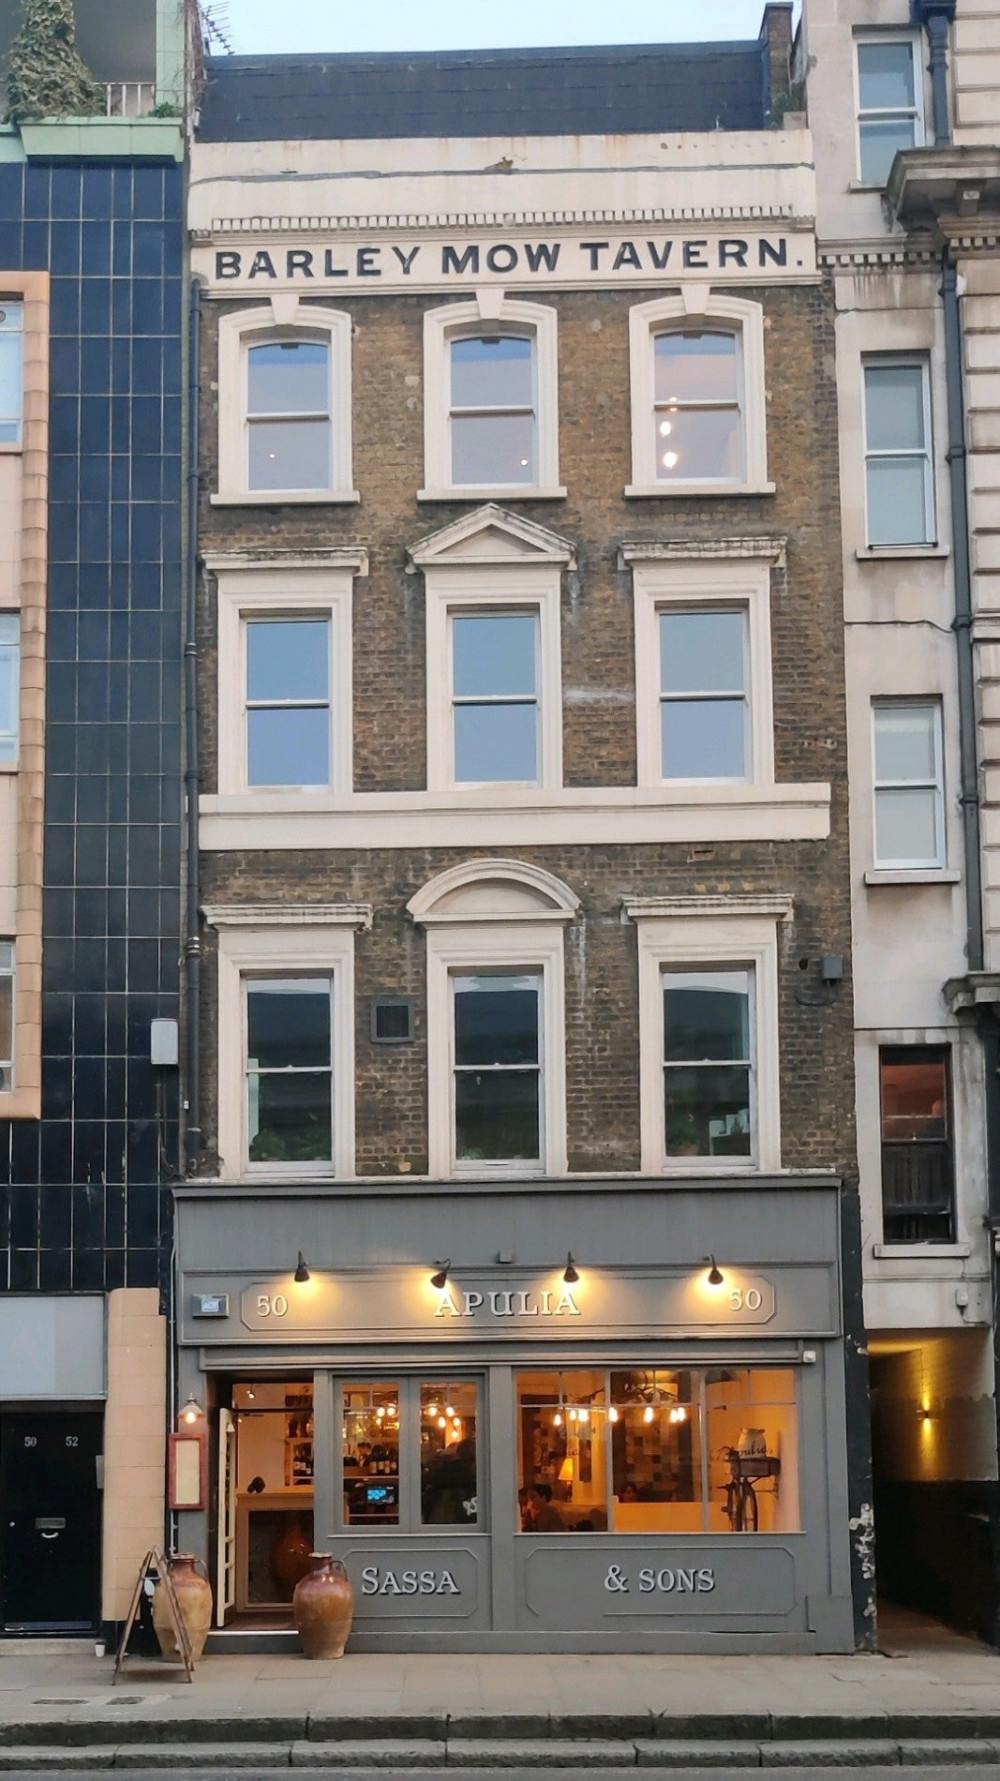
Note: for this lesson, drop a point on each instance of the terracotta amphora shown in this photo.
(323, 1607)
(194, 1598)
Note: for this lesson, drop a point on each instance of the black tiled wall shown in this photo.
(81, 1201)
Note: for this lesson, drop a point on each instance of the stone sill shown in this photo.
(881, 553)
(924, 1252)
(518, 491)
(920, 875)
(641, 491)
(284, 498)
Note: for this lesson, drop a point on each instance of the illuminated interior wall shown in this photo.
(933, 1411)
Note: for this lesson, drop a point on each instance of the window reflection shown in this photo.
(448, 1486)
(371, 1454)
(658, 1450)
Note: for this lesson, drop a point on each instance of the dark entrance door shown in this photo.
(50, 1522)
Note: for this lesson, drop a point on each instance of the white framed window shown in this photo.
(494, 681)
(286, 1038)
(709, 1062)
(908, 784)
(491, 399)
(288, 1059)
(11, 371)
(495, 1018)
(285, 404)
(285, 675)
(890, 103)
(698, 398)
(10, 687)
(708, 1033)
(498, 1055)
(494, 657)
(703, 672)
(6, 1016)
(899, 463)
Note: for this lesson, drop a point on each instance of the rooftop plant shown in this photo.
(46, 75)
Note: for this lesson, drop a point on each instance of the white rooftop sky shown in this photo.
(259, 27)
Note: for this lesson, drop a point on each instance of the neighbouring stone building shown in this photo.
(907, 219)
(519, 1251)
(91, 390)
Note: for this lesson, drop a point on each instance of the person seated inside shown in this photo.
(545, 1517)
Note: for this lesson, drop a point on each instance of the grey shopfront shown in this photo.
(574, 1415)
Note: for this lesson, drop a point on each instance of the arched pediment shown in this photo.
(493, 890)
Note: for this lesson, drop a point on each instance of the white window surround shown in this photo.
(488, 562)
(915, 42)
(283, 318)
(891, 869)
(257, 940)
(668, 584)
(678, 931)
(441, 327)
(500, 915)
(695, 304)
(319, 584)
(929, 546)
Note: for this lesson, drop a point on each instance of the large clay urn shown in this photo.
(194, 1599)
(323, 1607)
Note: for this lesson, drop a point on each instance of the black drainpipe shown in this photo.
(956, 458)
(192, 775)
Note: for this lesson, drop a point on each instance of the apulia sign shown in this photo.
(604, 256)
(386, 1304)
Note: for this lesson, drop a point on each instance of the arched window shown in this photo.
(698, 398)
(491, 421)
(495, 1018)
(285, 405)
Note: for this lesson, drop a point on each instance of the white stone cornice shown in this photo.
(229, 562)
(889, 255)
(289, 915)
(255, 226)
(678, 550)
(776, 904)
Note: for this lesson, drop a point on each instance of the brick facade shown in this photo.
(598, 715)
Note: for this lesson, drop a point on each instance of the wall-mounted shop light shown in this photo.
(570, 1274)
(192, 1413)
(302, 1273)
(715, 1275)
(439, 1280)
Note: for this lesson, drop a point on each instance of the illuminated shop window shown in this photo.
(409, 1454)
(679, 1450)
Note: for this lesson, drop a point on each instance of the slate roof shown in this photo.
(531, 92)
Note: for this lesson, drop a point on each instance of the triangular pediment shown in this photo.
(491, 534)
